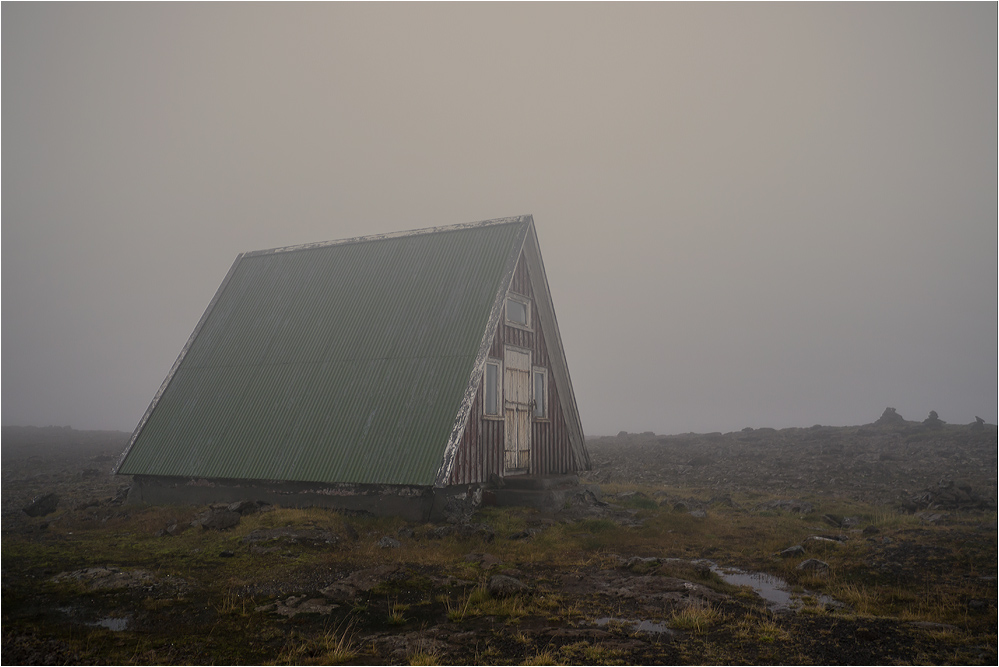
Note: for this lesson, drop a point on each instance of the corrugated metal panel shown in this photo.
(342, 362)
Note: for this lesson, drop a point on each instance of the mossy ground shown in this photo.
(912, 592)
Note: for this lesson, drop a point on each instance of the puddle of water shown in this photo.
(112, 624)
(774, 590)
(638, 626)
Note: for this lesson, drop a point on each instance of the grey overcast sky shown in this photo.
(751, 215)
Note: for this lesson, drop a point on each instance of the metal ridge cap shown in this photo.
(392, 235)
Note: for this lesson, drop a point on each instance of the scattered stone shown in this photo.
(460, 508)
(364, 580)
(114, 578)
(389, 543)
(121, 496)
(796, 506)
(42, 505)
(217, 519)
(295, 605)
(244, 507)
(525, 534)
(440, 532)
(484, 560)
(819, 543)
(405, 533)
(698, 514)
(934, 627)
(793, 552)
(813, 565)
(312, 536)
(481, 530)
(502, 586)
(175, 528)
(833, 520)
(402, 646)
(948, 495)
(641, 563)
(725, 500)
(978, 424)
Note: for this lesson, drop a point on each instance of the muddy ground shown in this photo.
(885, 536)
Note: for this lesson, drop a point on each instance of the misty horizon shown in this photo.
(750, 215)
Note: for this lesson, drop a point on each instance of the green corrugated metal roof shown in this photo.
(341, 362)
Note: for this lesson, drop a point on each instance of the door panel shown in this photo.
(517, 409)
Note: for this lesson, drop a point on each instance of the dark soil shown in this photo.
(98, 581)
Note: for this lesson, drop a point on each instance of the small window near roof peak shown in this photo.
(518, 312)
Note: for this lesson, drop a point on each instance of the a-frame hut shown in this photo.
(391, 373)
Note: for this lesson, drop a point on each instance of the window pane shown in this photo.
(516, 312)
(491, 407)
(540, 397)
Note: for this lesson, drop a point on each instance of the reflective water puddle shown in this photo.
(112, 624)
(774, 590)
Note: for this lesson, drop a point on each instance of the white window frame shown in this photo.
(498, 388)
(527, 307)
(543, 372)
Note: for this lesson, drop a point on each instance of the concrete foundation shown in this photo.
(413, 503)
(549, 493)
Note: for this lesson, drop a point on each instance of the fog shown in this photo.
(750, 215)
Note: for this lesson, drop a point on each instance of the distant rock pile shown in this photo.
(933, 421)
(890, 418)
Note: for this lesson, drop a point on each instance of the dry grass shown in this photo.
(763, 628)
(695, 618)
(333, 647)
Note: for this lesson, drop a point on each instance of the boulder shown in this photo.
(244, 507)
(42, 505)
(217, 519)
(501, 586)
(819, 543)
(813, 565)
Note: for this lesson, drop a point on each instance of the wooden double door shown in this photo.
(517, 409)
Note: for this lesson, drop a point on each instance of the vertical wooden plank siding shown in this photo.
(480, 453)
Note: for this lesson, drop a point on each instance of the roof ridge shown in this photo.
(522, 219)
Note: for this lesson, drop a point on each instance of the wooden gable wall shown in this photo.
(480, 452)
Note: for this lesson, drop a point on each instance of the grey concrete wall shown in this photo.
(411, 503)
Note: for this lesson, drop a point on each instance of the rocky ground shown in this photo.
(857, 545)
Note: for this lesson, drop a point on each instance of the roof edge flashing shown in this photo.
(392, 235)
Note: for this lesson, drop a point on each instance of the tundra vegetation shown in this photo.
(885, 536)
